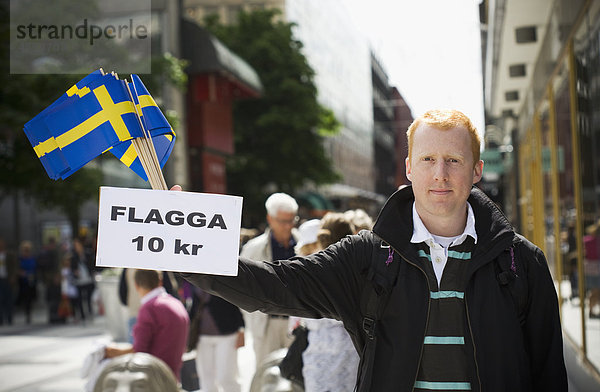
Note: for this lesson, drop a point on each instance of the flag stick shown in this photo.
(150, 144)
(146, 151)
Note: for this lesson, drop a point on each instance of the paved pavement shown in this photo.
(579, 372)
(48, 358)
(40, 357)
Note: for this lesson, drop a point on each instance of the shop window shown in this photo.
(511, 96)
(526, 34)
(517, 70)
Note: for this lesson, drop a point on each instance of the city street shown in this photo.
(49, 358)
(40, 357)
(195, 140)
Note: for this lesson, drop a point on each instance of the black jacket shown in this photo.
(333, 283)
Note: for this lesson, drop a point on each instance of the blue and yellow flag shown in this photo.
(97, 114)
(41, 138)
(155, 123)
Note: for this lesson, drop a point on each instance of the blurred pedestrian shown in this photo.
(8, 274)
(49, 271)
(270, 332)
(49, 262)
(591, 245)
(53, 298)
(220, 329)
(27, 278)
(162, 324)
(70, 300)
(131, 298)
(308, 241)
(330, 362)
(359, 219)
(84, 280)
(570, 260)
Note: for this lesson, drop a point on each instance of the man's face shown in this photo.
(282, 224)
(441, 171)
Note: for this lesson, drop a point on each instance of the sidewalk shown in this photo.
(42, 357)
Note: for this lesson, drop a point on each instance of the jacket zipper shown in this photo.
(426, 320)
(473, 340)
(471, 332)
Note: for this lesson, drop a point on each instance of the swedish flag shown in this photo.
(97, 114)
(155, 123)
(41, 137)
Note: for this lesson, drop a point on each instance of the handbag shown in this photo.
(64, 307)
(189, 373)
(195, 323)
(194, 331)
(290, 366)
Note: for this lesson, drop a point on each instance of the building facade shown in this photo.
(340, 56)
(542, 104)
(384, 135)
(216, 78)
(402, 120)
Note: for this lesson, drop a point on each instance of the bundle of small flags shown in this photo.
(103, 113)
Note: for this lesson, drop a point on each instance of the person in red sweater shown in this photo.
(162, 324)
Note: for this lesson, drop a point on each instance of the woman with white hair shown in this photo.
(330, 362)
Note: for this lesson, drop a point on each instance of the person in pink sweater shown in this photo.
(162, 324)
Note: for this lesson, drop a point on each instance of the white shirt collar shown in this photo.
(152, 294)
(421, 234)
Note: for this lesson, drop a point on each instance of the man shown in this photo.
(132, 299)
(162, 323)
(450, 322)
(8, 275)
(270, 332)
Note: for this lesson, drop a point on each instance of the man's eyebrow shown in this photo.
(434, 153)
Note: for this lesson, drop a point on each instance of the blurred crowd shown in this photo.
(60, 276)
(168, 317)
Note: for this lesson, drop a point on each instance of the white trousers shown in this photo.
(217, 363)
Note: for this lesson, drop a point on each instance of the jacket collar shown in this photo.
(395, 224)
(422, 234)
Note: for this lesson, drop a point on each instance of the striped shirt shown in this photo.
(445, 362)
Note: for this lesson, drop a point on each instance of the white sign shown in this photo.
(169, 230)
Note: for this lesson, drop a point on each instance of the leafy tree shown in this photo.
(69, 195)
(23, 97)
(278, 137)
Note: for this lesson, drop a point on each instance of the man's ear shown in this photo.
(407, 164)
(477, 171)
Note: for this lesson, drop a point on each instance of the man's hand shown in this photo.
(176, 188)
